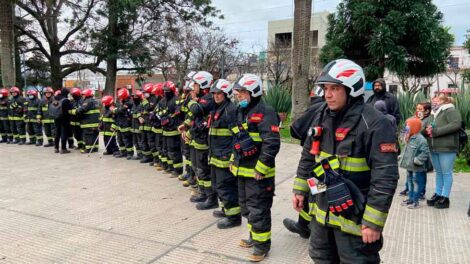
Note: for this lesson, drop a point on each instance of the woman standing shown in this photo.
(443, 133)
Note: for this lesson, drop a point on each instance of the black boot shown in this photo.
(433, 200)
(294, 227)
(146, 159)
(218, 213)
(442, 203)
(31, 143)
(227, 222)
(138, 157)
(198, 198)
(39, 143)
(50, 144)
(209, 203)
(22, 142)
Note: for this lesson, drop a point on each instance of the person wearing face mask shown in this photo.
(195, 129)
(33, 125)
(157, 127)
(380, 93)
(44, 117)
(5, 131)
(443, 134)
(123, 120)
(75, 98)
(17, 111)
(147, 135)
(137, 123)
(89, 114)
(170, 119)
(256, 144)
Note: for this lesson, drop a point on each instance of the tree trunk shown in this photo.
(56, 73)
(111, 57)
(7, 43)
(301, 56)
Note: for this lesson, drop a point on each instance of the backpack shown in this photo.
(55, 108)
(463, 137)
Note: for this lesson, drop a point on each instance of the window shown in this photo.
(392, 88)
(453, 62)
(314, 38)
(283, 40)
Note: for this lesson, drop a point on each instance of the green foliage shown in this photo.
(463, 161)
(279, 98)
(462, 103)
(404, 36)
(407, 103)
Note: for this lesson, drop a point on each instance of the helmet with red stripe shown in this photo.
(75, 92)
(344, 72)
(87, 93)
(222, 85)
(251, 83)
(107, 100)
(123, 94)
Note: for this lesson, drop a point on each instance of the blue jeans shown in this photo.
(424, 178)
(416, 182)
(443, 163)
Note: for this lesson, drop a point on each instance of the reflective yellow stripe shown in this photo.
(305, 215)
(106, 133)
(221, 132)
(204, 183)
(340, 222)
(199, 146)
(171, 133)
(374, 216)
(261, 237)
(124, 129)
(255, 136)
(73, 111)
(354, 164)
(219, 163)
(301, 185)
(93, 125)
(334, 164)
(235, 130)
(157, 130)
(92, 111)
(262, 168)
(74, 123)
(232, 211)
(16, 118)
(249, 172)
(48, 121)
(32, 108)
(178, 165)
(187, 162)
(107, 119)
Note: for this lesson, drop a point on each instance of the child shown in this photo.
(414, 160)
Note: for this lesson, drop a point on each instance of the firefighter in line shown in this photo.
(195, 128)
(348, 170)
(123, 119)
(33, 125)
(170, 119)
(5, 132)
(221, 119)
(75, 97)
(108, 126)
(157, 127)
(148, 137)
(187, 177)
(16, 116)
(44, 117)
(257, 142)
(137, 123)
(89, 115)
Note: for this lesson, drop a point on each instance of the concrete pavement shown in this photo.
(73, 209)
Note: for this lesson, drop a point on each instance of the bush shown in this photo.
(407, 103)
(279, 98)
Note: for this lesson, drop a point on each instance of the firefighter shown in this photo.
(44, 117)
(108, 127)
(33, 125)
(76, 131)
(16, 116)
(195, 128)
(123, 119)
(349, 170)
(221, 119)
(157, 127)
(170, 119)
(89, 115)
(5, 132)
(188, 177)
(257, 143)
(137, 123)
(147, 138)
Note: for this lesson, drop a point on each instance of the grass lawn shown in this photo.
(461, 165)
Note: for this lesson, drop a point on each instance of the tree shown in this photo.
(301, 56)
(278, 63)
(7, 41)
(404, 36)
(44, 19)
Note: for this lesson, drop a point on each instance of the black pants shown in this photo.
(136, 141)
(34, 130)
(185, 150)
(77, 133)
(18, 130)
(173, 152)
(227, 189)
(125, 143)
(331, 245)
(256, 199)
(144, 143)
(110, 143)
(158, 148)
(203, 171)
(304, 217)
(62, 127)
(151, 143)
(49, 130)
(5, 131)
(90, 136)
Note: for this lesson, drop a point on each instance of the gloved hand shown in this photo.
(245, 145)
(337, 191)
(165, 121)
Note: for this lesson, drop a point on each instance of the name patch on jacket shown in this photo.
(256, 118)
(388, 148)
(275, 129)
(341, 133)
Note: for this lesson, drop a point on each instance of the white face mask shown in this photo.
(31, 96)
(70, 97)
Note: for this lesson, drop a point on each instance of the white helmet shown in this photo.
(187, 80)
(251, 83)
(203, 78)
(222, 85)
(344, 72)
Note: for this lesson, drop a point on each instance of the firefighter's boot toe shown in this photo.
(226, 223)
(257, 255)
(246, 243)
(218, 213)
(199, 198)
(294, 227)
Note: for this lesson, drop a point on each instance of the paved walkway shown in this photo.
(74, 209)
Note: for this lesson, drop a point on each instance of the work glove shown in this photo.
(245, 145)
(338, 194)
(165, 121)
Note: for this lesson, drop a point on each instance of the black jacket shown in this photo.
(32, 106)
(390, 100)
(220, 136)
(89, 113)
(123, 115)
(196, 120)
(17, 107)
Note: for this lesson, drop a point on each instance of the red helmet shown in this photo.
(158, 89)
(75, 92)
(4, 92)
(48, 90)
(32, 92)
(169, 86)
(57, 93)
(148, 87)
(123, 94)
(88, 93)
(107, 100)
(15, 89)
(139, 94)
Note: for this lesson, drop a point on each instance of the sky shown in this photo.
(247, 20)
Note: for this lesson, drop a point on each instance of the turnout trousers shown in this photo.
(226, 186)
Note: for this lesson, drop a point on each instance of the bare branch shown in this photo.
(36, 40)
(80, 25)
